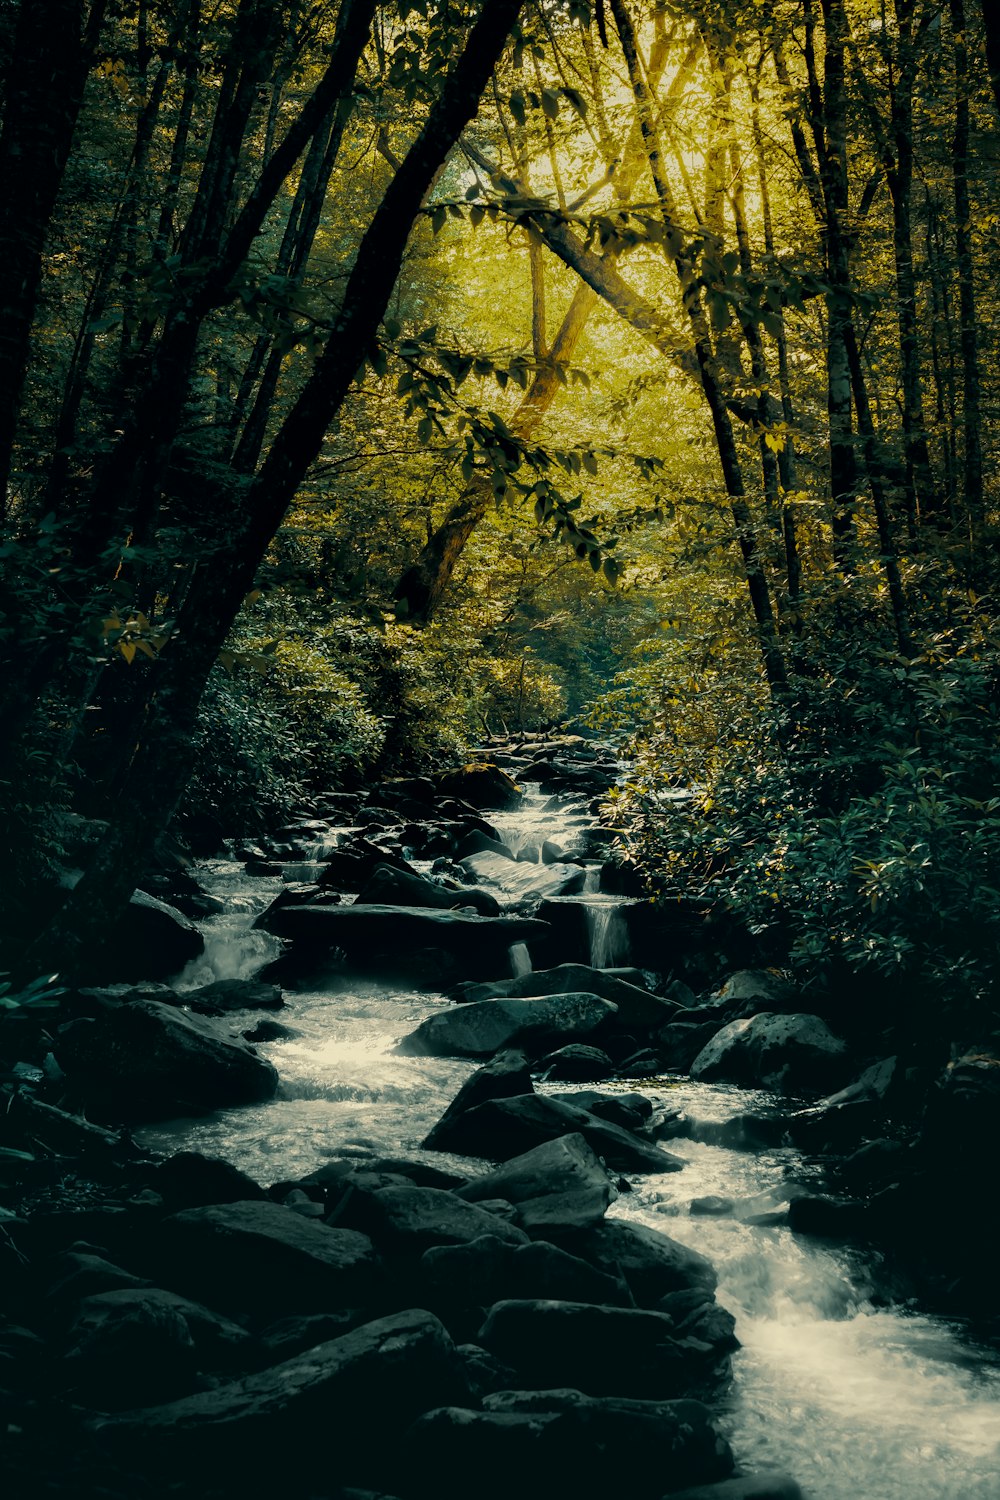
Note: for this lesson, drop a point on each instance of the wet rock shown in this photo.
(374, 1380)
(221, 1345)
(233, 994)
(789, 1053)
(523, 881)
(477, 842)
(502, 1128)
(147, 1061)
(604, 1351)
(963, 1110)
(545, 1271)
(151, 941)
(768, 1486)
(73, 1275)
(395, 937)
(267, 1030)
(557, 1186)
(482, 785)
(264, 1258)
(522, 1440)
(409, 1220)
(711, 1206)
(652, 1264)
(577, 1063)
(389, 887)
(190, 1180)
(682, 1041)
(485, 1373)
(486, 1027)
(636, 1006)
(291, 1336)
(630, 1110)
(466, 1276)
(145, 1352)
(828, 1218)
(504, 1077)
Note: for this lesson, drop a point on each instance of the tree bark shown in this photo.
(159, 767)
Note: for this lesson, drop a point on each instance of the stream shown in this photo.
(857, 1401)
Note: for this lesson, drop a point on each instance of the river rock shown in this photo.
(522, 880)
(652, 1264)
(481, 1029)
(503, 1077)
(482, 785)
(395, 936)
(789, 1053)
(339, 1407)
(409, 1220)
(147, 1061)
(265, 1258)
(769, 1486)
(577, 1063)
(557, 1186)
(636, 1007)
(390, 887)
(502, 1128)
(190, 1180)
(604, 1351)
(233, 994)
(521, 1440)
(151, 941)
(220, 1344)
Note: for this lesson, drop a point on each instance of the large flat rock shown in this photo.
(368, 927)
(331, 1410)
(491, 1026)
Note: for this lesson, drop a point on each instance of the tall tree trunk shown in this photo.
(49, 65)
(972, 442)
(160, 764)
(725, 441)
(829, 122)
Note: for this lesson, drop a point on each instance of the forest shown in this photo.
(598, 395)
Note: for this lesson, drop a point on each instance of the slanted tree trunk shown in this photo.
(160, 763)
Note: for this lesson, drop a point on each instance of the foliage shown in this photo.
(877, 863)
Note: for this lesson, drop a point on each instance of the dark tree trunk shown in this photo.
(159, 767)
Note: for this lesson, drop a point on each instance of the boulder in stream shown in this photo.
(148, 1061)
(482, 785)
(636, 1007)
(398, 938)
(604, 1351)
(489, 1026)
(503, 1077)
(555, 1187)
(503, 1128)
(790, 1053)
(768, 1486)
(151, 941)
(521, 1439)
(391, 887)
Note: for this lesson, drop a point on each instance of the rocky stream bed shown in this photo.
(421, 1157)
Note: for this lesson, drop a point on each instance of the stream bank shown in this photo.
(850, 1394)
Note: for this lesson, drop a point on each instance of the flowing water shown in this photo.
(858, 1401)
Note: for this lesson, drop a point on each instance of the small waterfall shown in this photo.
(609, 945)
(591, 880)
(520, 959)
(234, 948)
